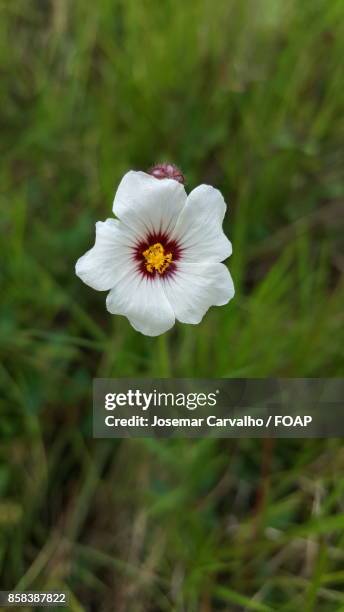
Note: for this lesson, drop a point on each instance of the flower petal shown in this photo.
(193, 288)
(148, 205)
(199, 227)
(112, 250)
(143, 301)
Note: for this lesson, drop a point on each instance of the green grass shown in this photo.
(247, 96)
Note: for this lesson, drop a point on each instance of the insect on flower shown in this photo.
(160, 259)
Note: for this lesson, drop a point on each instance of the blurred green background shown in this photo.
(246, 95)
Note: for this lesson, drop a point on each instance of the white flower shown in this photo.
(160, 259)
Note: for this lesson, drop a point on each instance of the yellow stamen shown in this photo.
(156, 258)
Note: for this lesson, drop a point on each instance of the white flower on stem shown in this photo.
(160, 259)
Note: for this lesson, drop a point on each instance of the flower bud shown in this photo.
(161, 171)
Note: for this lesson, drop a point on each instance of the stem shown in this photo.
(164, 357)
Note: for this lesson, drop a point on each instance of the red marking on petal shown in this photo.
(170, 246)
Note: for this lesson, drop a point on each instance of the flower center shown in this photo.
(156, 258)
